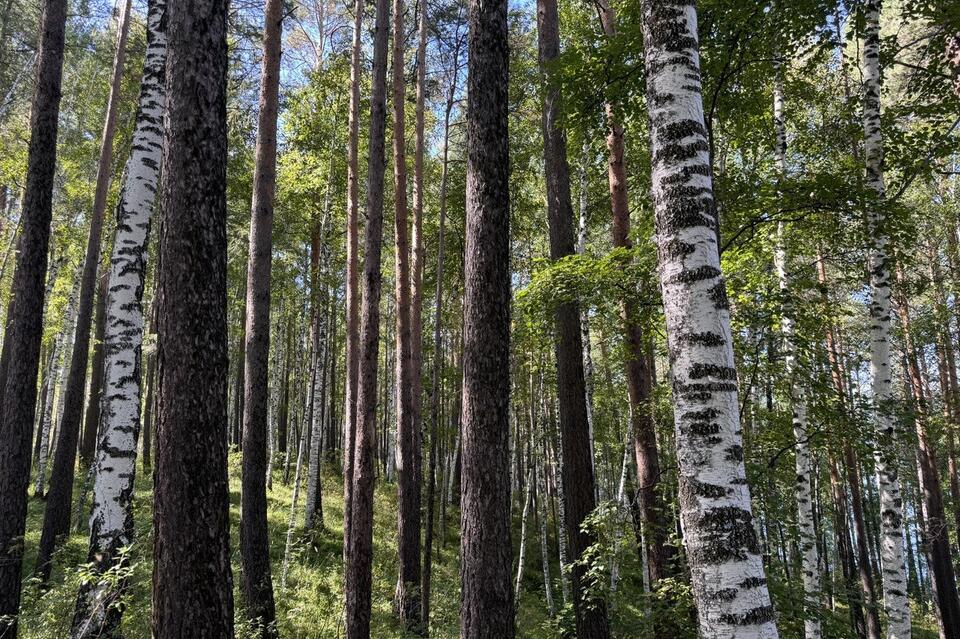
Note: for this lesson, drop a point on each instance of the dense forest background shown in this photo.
(805, 241)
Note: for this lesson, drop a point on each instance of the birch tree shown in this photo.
(895, 600)
(111, 519)
(56, 515)
(727, 573)
(803, 489)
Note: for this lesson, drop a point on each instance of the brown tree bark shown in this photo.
(56, 515)
(486, 596)
(254, 535)
(637, 368)
(851, 471)
(435, 382)
(192, 581)
(408, 481)
(91, 421)
(579, 487)
(24, 328)
(352, 320)
(946, 596)
(359, 557)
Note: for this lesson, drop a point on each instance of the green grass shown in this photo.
(311, 604)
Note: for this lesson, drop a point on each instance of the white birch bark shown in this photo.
(540, 498)
(111, 519)
(291, 523)
(521, 557)
(895, 599)
(803, 489)
(727, 572)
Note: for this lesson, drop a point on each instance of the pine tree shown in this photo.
(486, 595)
(23, 330)
(192, 578)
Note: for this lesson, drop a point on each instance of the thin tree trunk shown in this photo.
(151, 382)
(803, 487)
(56, 518)
(727, 572)
(24, 326)
(946, 598)
(291, 522)
(359, 558)
(313, 515)
(863, 563)
(91, 426)
(527, 502)
(416, 322)
(192, 580)
(579, 487)
(61, 354)
(254, 535)
(639, 379)
(111, 519)
(486, 597)
(407, 601)
(584, 313)
(541, 498)
(91, 421)
(895, 599)
(446, 476)
(352, 356)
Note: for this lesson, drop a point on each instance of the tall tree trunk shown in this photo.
(579, 489)
(862, 562)
(541, 498)
(639, 378)
(486, 596)
(895, 598)
(24, 327)
(192, 580)
(91, 421)
(56, 517)
(416, 270)
(254, 536)
(435, 382)
(321, 344)
(524, 516)
(726, 565)
(408, 482)
(352, 321)
(61, 354)
(803, 487)
(947, 600)
(111, 520)
(291, 521)
(359, 557)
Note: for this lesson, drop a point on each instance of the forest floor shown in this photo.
(310, 605)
